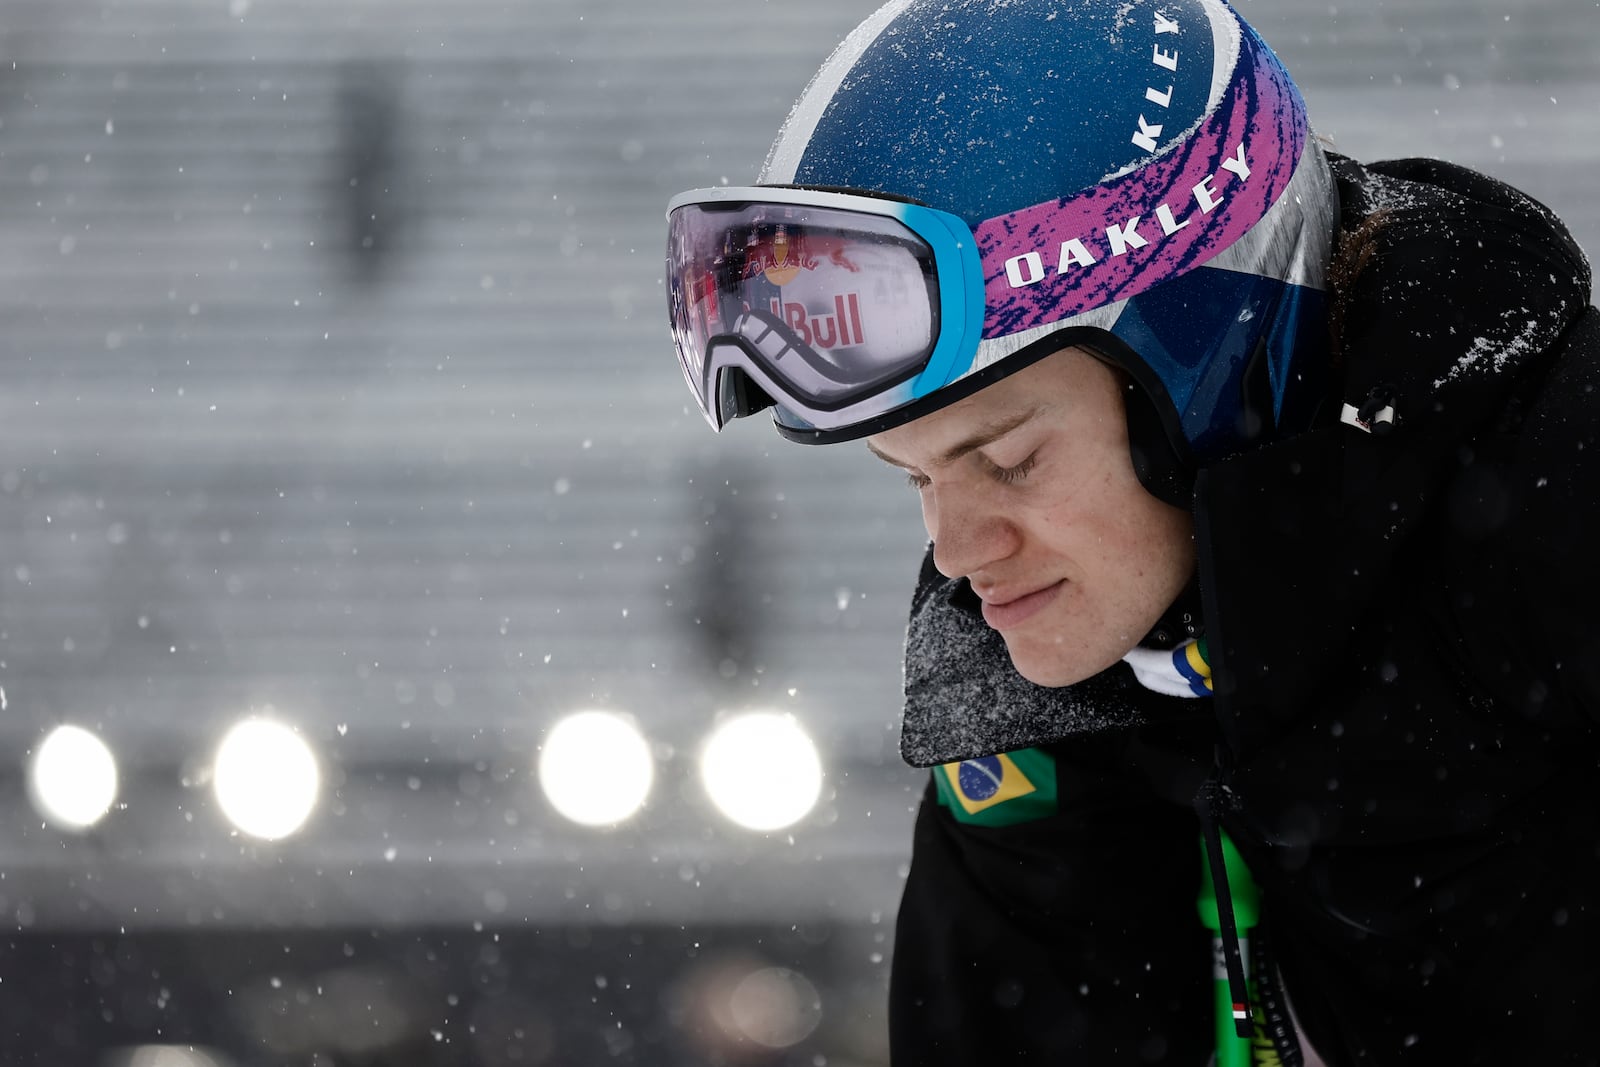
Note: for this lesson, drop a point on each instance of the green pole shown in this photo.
(1232, 1050)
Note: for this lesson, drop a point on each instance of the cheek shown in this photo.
(1117, 528)
(1161, 539)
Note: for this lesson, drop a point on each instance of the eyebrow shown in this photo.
(983, 436)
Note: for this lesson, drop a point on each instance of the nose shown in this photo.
(967, 530)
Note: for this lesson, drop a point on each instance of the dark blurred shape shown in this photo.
(512, 1029)
(721, 598)
(369, 166)
(302, 1015)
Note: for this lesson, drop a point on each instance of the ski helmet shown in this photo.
(1139, 178)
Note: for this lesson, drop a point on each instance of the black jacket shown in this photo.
(1403, 630)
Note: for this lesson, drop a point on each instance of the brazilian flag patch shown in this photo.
(1000, 790)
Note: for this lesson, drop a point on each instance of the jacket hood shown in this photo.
(1453, 283)
(1456, 297)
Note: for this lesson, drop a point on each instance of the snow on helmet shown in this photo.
(1140, 178)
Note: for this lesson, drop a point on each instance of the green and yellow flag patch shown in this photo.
(1000, 790)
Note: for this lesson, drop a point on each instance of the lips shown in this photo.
(1005, 615)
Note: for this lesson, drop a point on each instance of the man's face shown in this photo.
(1028, 491)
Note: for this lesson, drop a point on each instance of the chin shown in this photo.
(1061, 662)
(1050, 668)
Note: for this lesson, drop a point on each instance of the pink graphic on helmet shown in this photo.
(1051, 261)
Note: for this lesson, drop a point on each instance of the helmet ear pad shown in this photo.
(1165, 472)
(1162, 458)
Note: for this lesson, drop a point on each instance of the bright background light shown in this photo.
(595, 768)
(73, 779)
(761, 770)
(266, 778)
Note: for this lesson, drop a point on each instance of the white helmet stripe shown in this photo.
(784, 159)
(1225, 44)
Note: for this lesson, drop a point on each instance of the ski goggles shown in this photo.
(834, 307)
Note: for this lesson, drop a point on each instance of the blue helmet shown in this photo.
(1140, 178)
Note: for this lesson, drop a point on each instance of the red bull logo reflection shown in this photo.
(840, 329)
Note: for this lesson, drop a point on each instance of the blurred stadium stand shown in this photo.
(336, 383)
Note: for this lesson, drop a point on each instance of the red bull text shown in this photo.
(841, 329)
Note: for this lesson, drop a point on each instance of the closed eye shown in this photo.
(1010, 475)
(1003, 475)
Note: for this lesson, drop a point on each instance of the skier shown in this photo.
(1261, 488)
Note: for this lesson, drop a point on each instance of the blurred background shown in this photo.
(393, 668)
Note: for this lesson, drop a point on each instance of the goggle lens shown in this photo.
(820, 306)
